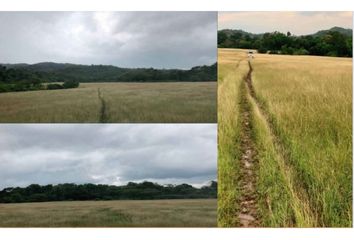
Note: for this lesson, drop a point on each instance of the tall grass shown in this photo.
(127, 213)
(310, 101)
(302, 127)
(162, 102)
(279, 204)
(124, 102)
(230, 76)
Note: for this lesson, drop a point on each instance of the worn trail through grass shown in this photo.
(301, 202)
(103, 117)
(247, 215)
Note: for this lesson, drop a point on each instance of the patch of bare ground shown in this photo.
(248, 214)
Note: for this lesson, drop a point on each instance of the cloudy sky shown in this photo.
(126, 39)
(298, 23)
(107, 153)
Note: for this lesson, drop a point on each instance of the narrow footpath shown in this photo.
(247, 216)
(103, 118)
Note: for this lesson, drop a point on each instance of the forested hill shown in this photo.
(131, 191)
(335, 42)
(60, 72)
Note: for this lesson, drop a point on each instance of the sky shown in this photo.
(298, 23)
(125, 39)
(107, 153)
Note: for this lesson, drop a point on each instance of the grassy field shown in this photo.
(193, 102)
(137, 213)
(301, 109)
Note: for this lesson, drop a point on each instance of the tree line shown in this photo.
(26, 77)
(336, 42)
(16, 80)
(131, 191)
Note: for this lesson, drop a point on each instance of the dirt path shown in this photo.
(247, 216)
(103, 118)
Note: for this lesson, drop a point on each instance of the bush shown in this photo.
(262, 50)
(273, 52)
(287, 50)
(301, 51)
(71, 84)
(66, 84)
(54, 86)
(4, 88)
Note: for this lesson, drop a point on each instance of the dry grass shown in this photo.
(137, 213)
(125, 102)
(310, 99)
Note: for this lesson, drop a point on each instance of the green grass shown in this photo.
(193, 102)
(302, 118)
(279, 204)
(129, 213)
(229, 80)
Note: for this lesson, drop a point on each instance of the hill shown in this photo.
(344, 31)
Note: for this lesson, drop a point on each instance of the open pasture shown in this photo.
(192, 102)
(123, 213)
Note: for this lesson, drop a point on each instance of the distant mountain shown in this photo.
(49, 66)
(344, 31)
(15, 65)
(230, 32)
(55, 67)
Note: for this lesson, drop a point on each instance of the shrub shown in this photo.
(262, 50)
(71, 84)
(54, 86)
(273, 52)
(4, 88)
(301, 51)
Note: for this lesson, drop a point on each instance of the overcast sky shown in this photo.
(298, 23)
(127, 39)
(107, 153)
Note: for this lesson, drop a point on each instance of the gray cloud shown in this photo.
(127, 39)
(110, 154)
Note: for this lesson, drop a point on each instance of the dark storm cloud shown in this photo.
(127, 39)
(110, 154)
